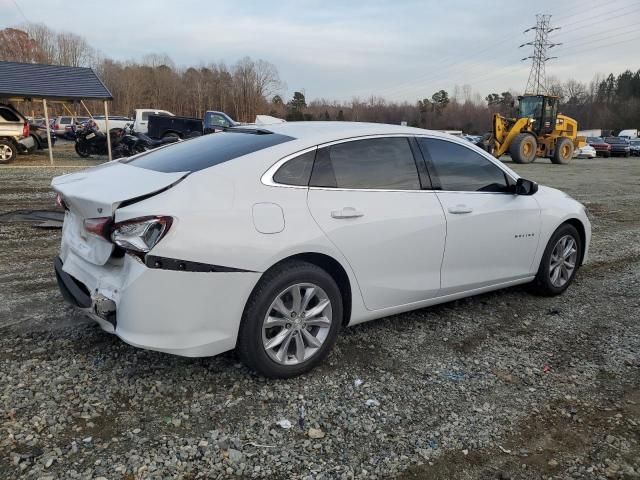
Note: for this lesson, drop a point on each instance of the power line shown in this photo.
(21, 12)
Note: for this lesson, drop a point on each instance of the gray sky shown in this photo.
(401, 50)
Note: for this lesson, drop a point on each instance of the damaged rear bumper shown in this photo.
(187, 313)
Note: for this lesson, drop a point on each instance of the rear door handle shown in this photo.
(460, 209)
(346, 212)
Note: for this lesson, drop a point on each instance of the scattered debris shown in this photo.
(372, 402)
(284, 423)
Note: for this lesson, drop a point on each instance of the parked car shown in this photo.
(602, 148)
(13, 128)
(39, 134)
(634, 147)
(586, 151)
(61, 122)
(271, 240)
(619, 146)
(141, 118)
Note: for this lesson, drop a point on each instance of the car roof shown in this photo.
(320, 132)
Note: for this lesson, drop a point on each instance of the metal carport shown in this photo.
(37, 82)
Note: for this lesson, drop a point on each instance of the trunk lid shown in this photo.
(98, 192)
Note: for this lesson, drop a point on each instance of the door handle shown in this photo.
(346, 212)
(459, 209)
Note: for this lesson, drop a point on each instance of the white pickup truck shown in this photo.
(141, 122)
(115, 121)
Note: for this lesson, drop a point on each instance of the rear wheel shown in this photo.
(172, 135)
(564, 151)
(523, 148)
(82, 149)
(8, 151)
(291, 320)
(559, 263)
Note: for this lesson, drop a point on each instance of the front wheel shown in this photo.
(560, 262)
(563, 152)
(291, 320)
(82, 149)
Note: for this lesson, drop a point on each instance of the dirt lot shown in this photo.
(503, 385)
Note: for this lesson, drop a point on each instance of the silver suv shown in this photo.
(13, 127)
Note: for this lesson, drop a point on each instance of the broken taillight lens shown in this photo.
(25, 129)
(100, 226)
(139, 235)
(60, 202)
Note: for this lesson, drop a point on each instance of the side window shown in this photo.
(296, 171)
(8, 115)
(377, 163)
(460, 169)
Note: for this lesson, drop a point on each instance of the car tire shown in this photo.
(285, 360)
(563, 152)
(523, 148)
(547, 281)
(8, 151)
(607, 155)
(170, 135)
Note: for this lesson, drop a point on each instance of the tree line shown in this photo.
(249, 87)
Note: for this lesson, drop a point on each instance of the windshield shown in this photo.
(530, 107)
(595, 140)
(207, 151)
(615, 140)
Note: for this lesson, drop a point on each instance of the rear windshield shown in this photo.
(207, 151)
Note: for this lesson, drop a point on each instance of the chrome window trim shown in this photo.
(267, 177)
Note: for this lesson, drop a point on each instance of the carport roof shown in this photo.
(51, 82)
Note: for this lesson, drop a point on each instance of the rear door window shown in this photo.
(207, 151)
(376, 163)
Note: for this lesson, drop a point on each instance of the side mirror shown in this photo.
(525, 187)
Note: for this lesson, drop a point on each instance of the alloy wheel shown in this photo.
(563, 261)
(6, 152)
(296, 324)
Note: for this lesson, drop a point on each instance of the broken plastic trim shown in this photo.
(165, 263)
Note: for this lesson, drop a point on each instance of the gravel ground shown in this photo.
(503, 385)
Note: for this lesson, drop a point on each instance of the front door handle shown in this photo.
(460, 209)
(346, 212)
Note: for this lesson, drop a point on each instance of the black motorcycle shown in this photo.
(136, 142)
(91, 141)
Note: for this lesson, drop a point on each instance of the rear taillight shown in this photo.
(60, 202)
(139, 235)
(25, 129)
(100, 226)
(56, 126)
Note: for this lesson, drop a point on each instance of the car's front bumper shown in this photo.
(193, 314)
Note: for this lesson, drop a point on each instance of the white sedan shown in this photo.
(270, 240)
(585, 152)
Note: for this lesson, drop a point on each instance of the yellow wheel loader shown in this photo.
(538, 131)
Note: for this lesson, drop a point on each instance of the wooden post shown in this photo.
(46, 119)
(106, 126)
